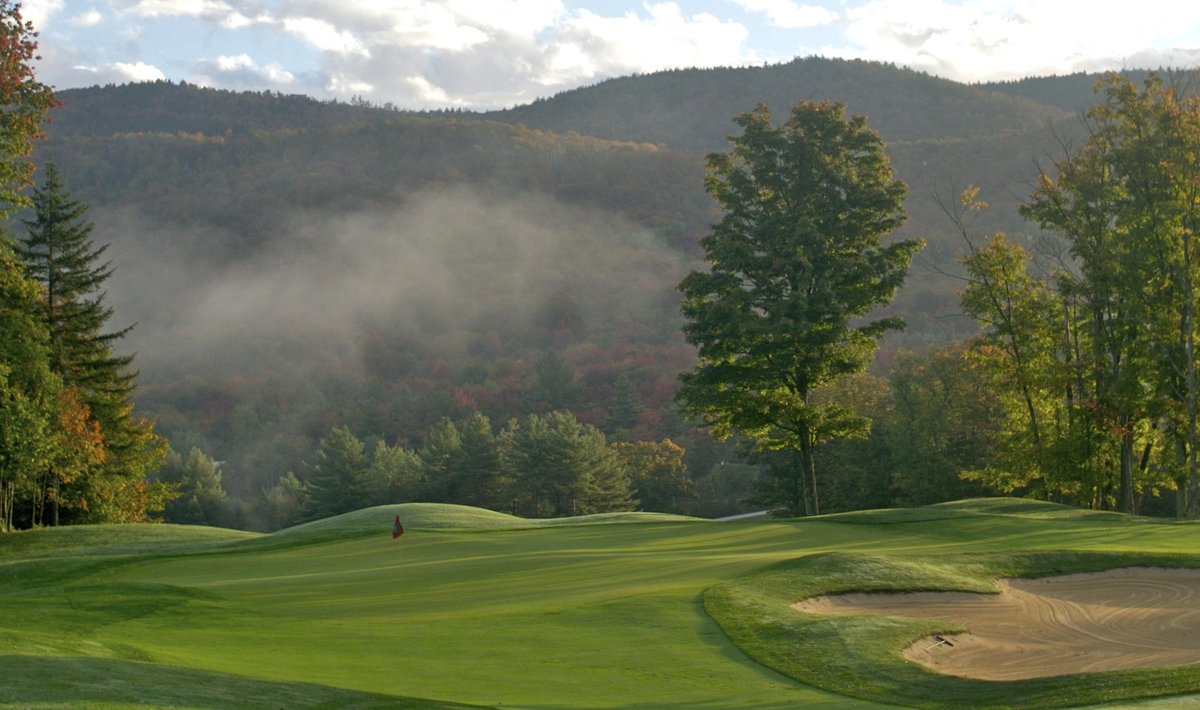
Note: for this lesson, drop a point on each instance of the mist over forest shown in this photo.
(446, 273)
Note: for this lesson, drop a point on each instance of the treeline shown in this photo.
(548, 465)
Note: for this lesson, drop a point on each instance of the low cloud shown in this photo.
(441, 272)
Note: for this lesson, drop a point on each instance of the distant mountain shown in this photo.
(1070, 92)
(166, 107)
(692, 108)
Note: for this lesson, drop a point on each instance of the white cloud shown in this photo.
(236, 20)
(122, 72)
(789, 14)
(516, 17)
(91, 18)
(589, 45)
(990, 39)
(324, 35)
(182, 8)
(39, 12)
(242, 72)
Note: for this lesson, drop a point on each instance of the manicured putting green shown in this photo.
(483, 609)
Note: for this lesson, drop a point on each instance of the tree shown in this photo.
(796, 261)
(282, 504)
(477, 471)
(394, 475)
(441, 449)
(337, 481)
(24, 103)
(58, 253)
(658, 473)
(28, 391)
(202, 499)
(626, 406)
(560, 467)
(1126, 205)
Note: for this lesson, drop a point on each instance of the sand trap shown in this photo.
(1080, 623)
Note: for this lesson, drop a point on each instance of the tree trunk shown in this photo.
(1189, 374)
(809, 465)
(1125, 504)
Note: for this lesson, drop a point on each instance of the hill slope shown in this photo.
(692, 108)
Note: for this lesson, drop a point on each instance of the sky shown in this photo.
(485, 54)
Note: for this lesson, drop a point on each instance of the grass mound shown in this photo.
(93, 541)
(445, 516)
(860, 656)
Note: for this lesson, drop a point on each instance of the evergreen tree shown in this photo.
(440, 451)
(395, 474)
(797, 263)
(58, 253)
(477, 470)
(336, 484)
(202, 499)
(560, 467)
(626, 406)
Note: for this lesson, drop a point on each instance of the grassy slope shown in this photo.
(594, 615)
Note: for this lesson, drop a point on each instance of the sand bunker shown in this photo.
(1080, 623)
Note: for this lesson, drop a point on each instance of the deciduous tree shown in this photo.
(24, 103)
(797, 263)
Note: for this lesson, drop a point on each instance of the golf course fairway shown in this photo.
(473, 608)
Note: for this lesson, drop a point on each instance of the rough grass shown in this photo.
(484, 609)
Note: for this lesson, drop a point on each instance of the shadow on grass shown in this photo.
(82, 682)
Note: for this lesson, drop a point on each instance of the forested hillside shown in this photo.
(295, 266)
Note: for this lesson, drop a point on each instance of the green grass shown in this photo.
(489, 610)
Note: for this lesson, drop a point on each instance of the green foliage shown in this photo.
(338, 479)
(1096, 374)
(560, 467)
(28, 392)
(795, 261)
(659, 474)
(281, 505)
(201, 497)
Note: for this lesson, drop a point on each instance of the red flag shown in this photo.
(397, 528)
